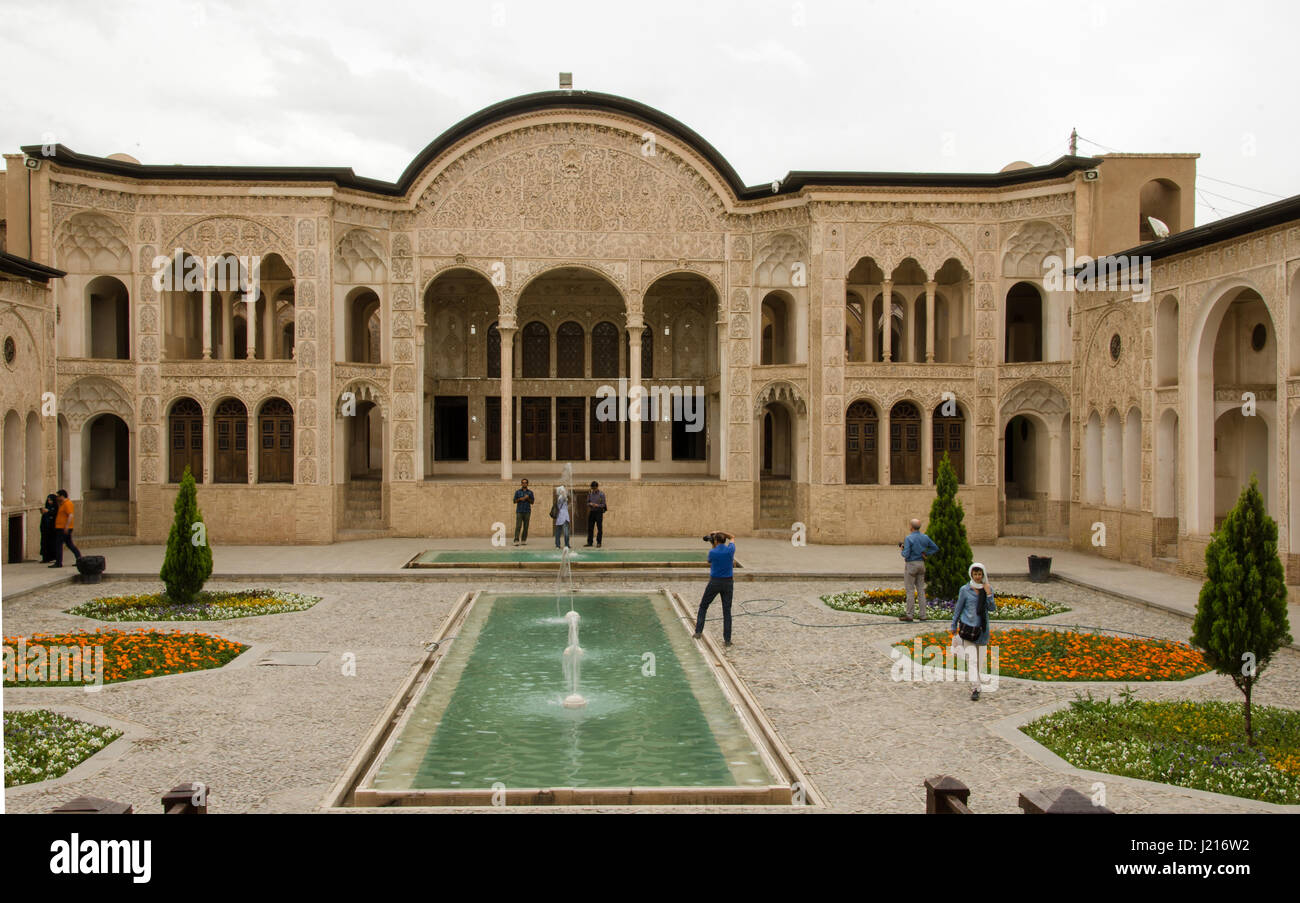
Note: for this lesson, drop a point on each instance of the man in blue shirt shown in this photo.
(915, 549)
(523, 510)
(721, 558)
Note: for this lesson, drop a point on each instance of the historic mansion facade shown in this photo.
(363, 358)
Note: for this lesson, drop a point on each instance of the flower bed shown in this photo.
(209, 606)
(891, 602)
(127, 654)
(1039, 654)
(1191, 744)
(41, 745)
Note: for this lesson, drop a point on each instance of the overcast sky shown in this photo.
(920, 86)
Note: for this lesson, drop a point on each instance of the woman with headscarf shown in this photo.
(970, 622)
(49, 535)
(560, 514)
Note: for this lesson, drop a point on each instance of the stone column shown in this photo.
(887, 314)
(227, 326)
(883, 445)
(870, 322)
(209, 446)
(927, 447)
(250, 317)
(909, 332)
(75, 464)
(929, 322)
(634, 412)
(268, 327)
(254, 446)
(507, 399)
(420, 419)
(207, 322)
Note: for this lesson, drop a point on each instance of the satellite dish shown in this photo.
(1158, 227)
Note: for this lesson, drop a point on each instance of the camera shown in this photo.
(711, 538)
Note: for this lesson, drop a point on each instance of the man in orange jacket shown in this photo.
(63, 526)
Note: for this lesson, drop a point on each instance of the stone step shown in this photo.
(1035, 541)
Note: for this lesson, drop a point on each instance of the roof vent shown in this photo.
(566, 81)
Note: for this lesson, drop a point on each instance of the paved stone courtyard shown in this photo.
(276, 738)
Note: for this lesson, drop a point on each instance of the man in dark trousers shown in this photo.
(595, 514)
(63, 523)
(722, 556)
(523, 510)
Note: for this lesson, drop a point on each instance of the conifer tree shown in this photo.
(188, 562)
(945, 571)
(1241, 617)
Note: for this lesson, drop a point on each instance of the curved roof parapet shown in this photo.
(345, 177)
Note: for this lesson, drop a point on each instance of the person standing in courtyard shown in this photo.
(970, 623)
(523, 511)
(596, 514)
(49, 533)
(560, 514)
(63, 524)
(722, 557)
(915, 549)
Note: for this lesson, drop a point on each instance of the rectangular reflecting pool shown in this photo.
(550, 557)
(662, 720)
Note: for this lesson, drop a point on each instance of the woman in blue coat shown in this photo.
(969, 612)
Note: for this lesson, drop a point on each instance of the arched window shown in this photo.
(185, 426)
(949, 435)
(604, 351)
(108, 328)
(494, 352)
(904, 444)
(1167, 343)
(1159, 199)
(862, 442)
(570, 357)
(275, 442)
(775, 336)
(363, 327)
(537, 350)
(1024, 326)
(230, 457)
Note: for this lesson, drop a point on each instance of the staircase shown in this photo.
(363, 505)
(776, 504)
(1023, 518)
(103, 518)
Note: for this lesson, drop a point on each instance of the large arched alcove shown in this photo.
(1232, 368)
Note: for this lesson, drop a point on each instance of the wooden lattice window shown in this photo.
(949, 436)
(275, 445)
(537, 350)
(604, 351)
(230, 458)
(904, 443)
(862, 443)
(570, 358)
(185, 425)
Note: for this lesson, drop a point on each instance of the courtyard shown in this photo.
(277, 738)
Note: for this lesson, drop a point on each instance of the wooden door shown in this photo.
(604, 434)
(570, 423)
(536, 428)
(275, 446)
(905, 444)
(862, 429)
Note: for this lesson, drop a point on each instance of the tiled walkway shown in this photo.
(269, 739)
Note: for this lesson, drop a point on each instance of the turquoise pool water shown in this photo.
(492, 711)
(578, 556)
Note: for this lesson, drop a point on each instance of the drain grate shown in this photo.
(299, 659)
